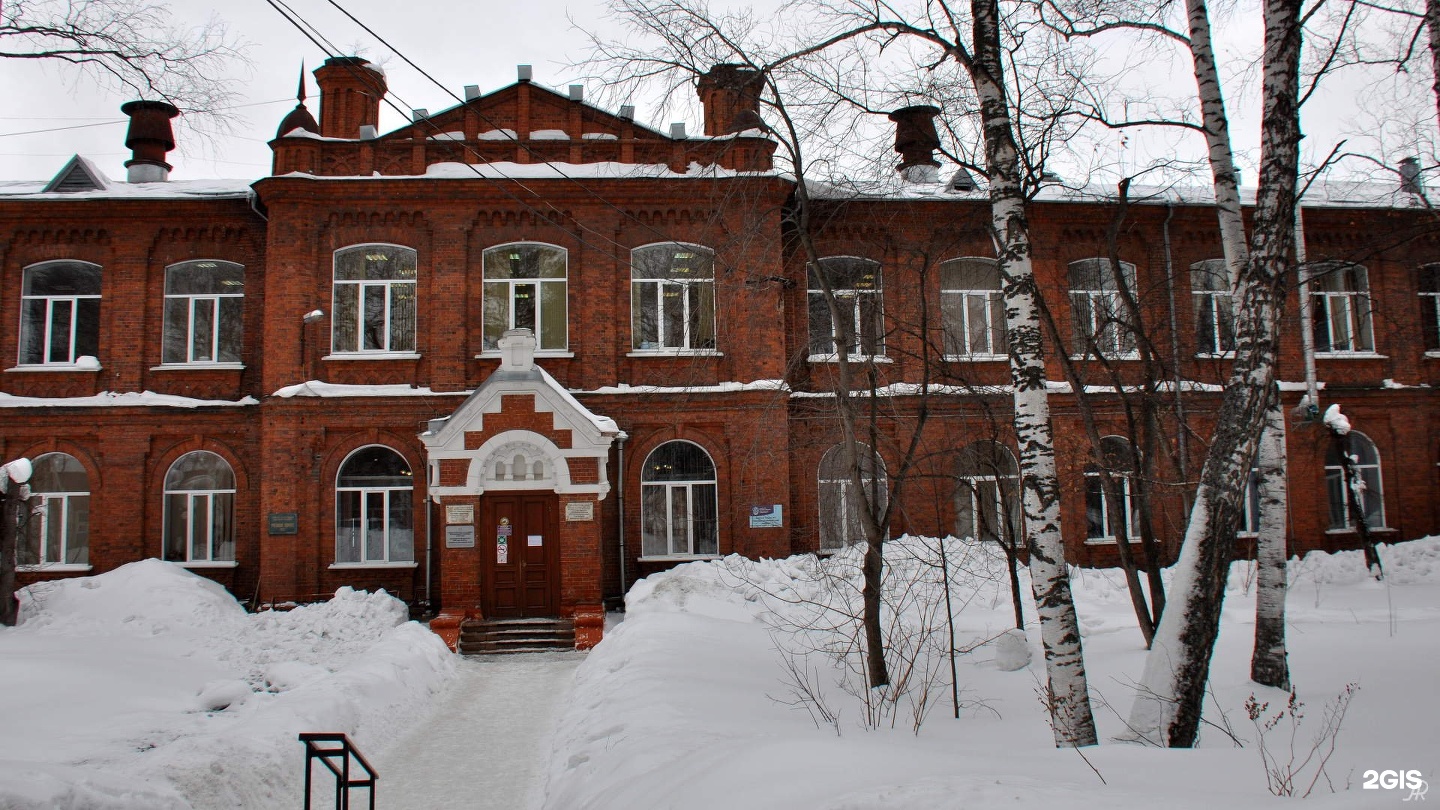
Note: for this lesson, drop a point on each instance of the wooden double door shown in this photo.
(520, 555)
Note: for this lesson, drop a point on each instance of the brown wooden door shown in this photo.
(521, 555)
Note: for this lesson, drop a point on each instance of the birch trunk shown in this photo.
(1067, 693)
(1169, 700)
(1268, 663)
(1432, 24)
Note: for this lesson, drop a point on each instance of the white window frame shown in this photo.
(1106, 324)
(686, 289)
(67, 532)
(845, 495)
(853, 299)
(491, 346)
(390, 288)
(1250, 506)
(959, 335)
(1209, 304)
(365, 493)
(672, 548)
(1095, 483)
(216, 302)
(1430, 308)
(189, 496)
(969, 486)
(1335, 474)
(1353, 306)
(48, 342)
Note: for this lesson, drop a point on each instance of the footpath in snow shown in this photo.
(487, 743)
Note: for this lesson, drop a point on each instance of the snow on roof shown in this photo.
(502, 170)
(173, 189)
(549, 135)
(724, 387)
(315, 388)
(604, 424)
(108, 399)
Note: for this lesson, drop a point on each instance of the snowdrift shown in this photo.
(150, 687)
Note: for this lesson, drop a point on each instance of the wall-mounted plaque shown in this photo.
(460, 513)
(284, 522)
(577, 511)
(459, 536)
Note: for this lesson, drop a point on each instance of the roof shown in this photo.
(172, 189)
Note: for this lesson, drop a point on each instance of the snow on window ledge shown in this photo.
(854, 358)
(1230, 355)
(678, 557)
(199, 367)
(373, 356)
(64, 367)
(1433, 353)
(361, 565)
(47, 568)
(1097, 358)
(1106, 541)
(1353, 530)
(1349, 356)
(974, 358)
(211, 564)
(675, 353)
(540, 354)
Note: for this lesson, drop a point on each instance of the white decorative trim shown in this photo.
(373, 356)
(211, 564)
(540, 354)
(50, 367)
(1351, 356)
(974, 358)
(356, 566)
(198, 367)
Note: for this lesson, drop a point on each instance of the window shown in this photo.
(840, 503)
(1102, 323)
(858, 297)
(1214, 307)
(672, 298)
(200, 509)
(1250, 509)
(972, 308)
(374, 308)
(525, 289)
(1102, 517)
(374, 516)
(1340, 296)
(1366, 486)
(203, 307)
(58, 533)
(677, 502)
(59, 313)
(1430, 306)
(987, 502)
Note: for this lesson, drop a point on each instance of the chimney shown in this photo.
(350, 94)
(149, 138)
(916, 141)
(472, 92)
(577, 92)
(731, 97)
(523, 73)
(1410, 176)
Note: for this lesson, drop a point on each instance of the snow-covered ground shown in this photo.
(686, 704)
(148, 687)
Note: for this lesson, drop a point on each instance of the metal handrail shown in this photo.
(345, 752)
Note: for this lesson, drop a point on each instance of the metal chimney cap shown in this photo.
(577, 92)
(524, 72)
(627, 112)
(472, 92)
(419, 113)
(677, 130)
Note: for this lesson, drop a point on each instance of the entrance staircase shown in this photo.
(496, 636)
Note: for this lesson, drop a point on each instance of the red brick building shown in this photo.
(515, 354)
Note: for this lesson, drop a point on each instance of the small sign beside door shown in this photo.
(502, 550)
(460, 513)
(534, 540)
(578, 511)
(459, 536)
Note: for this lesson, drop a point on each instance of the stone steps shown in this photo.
(495, 636)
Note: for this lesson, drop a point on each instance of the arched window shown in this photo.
(204, 305)
(59, 531)
(987, 502)
(840, 503)
(972, 308)
(672, 298)
(1340, 295)
(525, 289)
(679, 515)
(374, 309)
(1365, 485)
(1214, 307)
(374, 515)
(1102, 516)
(859, 292)
(59, 313)
(200, 509)
(1100, 313)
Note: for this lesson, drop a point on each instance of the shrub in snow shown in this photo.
(1012, 651)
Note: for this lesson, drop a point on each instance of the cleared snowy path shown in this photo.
(487, 743)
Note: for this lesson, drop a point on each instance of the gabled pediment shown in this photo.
(78, 175)
(497, 116)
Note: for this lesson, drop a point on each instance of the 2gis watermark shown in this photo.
(1410, 780)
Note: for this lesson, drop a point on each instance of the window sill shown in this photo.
(854, 358)
(1106, 541)
(1349, 356)
(199, 367)
(373, 356)
(678, 557)
(675, 353)
(1100, 357)
(1353, 530)
(210, 564)
(363, 565)
(974, 358)
(54, 367)
(1230, 355)
(539, 355)
(58, 568)
(1433, 353)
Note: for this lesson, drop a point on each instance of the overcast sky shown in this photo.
(458, 43)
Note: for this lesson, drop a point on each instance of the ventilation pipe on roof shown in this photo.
(150, 139)
(916, 140)
(368, 132)
(472, 92)
(577, 92)
(350, 94)
(523, 72)
(419, 114)
(1410, 176)
(627, 112)
(677, 130)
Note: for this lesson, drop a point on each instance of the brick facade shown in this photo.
(755, 403)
